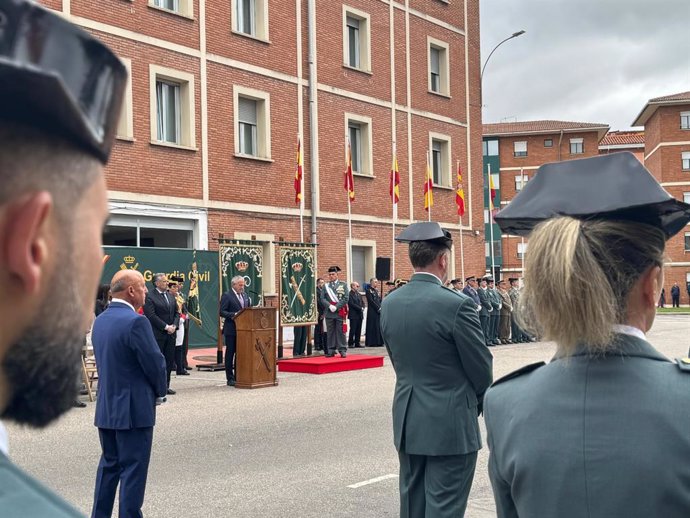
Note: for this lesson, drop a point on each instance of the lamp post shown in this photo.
(481, 99)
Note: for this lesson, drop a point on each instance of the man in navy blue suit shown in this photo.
(131, 374)
(160, 307)
(231, 303)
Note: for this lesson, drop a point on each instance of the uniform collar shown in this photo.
(624, 345)
(425, 277)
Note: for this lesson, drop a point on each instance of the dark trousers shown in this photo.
(354, 336)
(300, 342)
(124, 460)
(336, 337)
(179, 359)
(435, 486)
(319, 336)
(484, 321)
(516, 333)
(493, 322)
(675, 299)
(167, 347)
(230, 348)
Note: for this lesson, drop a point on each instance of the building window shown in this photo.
(181, 7)
(548, 142)
(439, 161)
(685, 120)
(685, 159)
(438, 67)
(362, 260)
(520, 181)
(356, 39)
(490, 147)
(172, 107)
(521, 249)
(253, 123)
(576, 146)
(168, 112)
(149, 231)
(359, 133)
(251, 18)
(125, 126)
(520, 148)
(687, 241)
(686, 197)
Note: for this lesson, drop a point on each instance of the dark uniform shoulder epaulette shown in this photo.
(683, 364)
(516, 374)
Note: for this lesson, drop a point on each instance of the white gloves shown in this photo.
(331, 309)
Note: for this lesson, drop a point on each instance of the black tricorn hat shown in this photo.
(57, 76)
(425, 231)
(513, 279)
(175, 279)
(610, 187)
(470, 278)
(334, 269)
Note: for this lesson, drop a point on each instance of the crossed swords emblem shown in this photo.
(262, 348)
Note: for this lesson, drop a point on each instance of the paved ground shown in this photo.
(289, 451)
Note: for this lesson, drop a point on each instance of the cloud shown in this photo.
(587, 61)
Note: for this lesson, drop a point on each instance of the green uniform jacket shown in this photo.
(442, 367)
(485, 301)
(495, 301)
(600, 437)
(23, 497)
(341, 291)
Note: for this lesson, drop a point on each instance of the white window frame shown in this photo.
(179, 7)
(259, 23)
(187, 105)
(685, 160)
(268, 274)
(364, 40)
(686, 246)
(125, 126)
(578, 144)
(521, 249)
(263, 119)
(444, 65)
(519, 182)
(520, 148)
(685, 120)
(488, 146)
(366, 148)
(446, 152)
(369, 258)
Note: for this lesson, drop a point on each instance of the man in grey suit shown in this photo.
(442, 368)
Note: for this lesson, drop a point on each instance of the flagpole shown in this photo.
(522, 181)
(395, 212)
(491, 222)
(300, 161)
(349, 215)
(462, 248)
(426, 174)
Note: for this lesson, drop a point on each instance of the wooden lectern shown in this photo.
(256, 348)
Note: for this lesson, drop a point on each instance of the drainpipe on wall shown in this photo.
(313, 123)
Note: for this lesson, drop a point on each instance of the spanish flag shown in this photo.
(298, 173)
(460, 194)
(349, 179)
(492, 192)
(394, 189)
(428, 188)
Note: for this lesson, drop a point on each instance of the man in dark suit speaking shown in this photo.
(161, 310)
(232, 302)
(131, 374)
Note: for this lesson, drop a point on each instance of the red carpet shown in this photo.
(323, 365)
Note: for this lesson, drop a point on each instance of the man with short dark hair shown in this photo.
(442, 369)
(355, 313)
(58, 119)
(161, 310)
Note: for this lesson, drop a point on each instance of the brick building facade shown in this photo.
(220, 90)
(666, 122)
(512, 152)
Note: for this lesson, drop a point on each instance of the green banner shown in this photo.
(245, 259)
(199, 266)
(297, 285)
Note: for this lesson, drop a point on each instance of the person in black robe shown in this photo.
(373, 337)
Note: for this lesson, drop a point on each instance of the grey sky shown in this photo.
(583, 60)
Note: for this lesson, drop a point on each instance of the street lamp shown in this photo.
(514, 35)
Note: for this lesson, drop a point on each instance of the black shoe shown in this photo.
(171, 391)
(329, 355)
(343, 354)
(79, 404)
(183, 373)
(231, 383)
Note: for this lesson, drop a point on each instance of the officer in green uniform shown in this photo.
(603, 430)
(334, 297)
(60, 98)
(485, 311)
(442, 368)
(496, 305)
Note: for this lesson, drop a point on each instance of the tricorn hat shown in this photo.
(334, 269)
(513, 279)
(175, 279)
(57, 76)
(470, 278)
(425, 231)
(610, 187)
